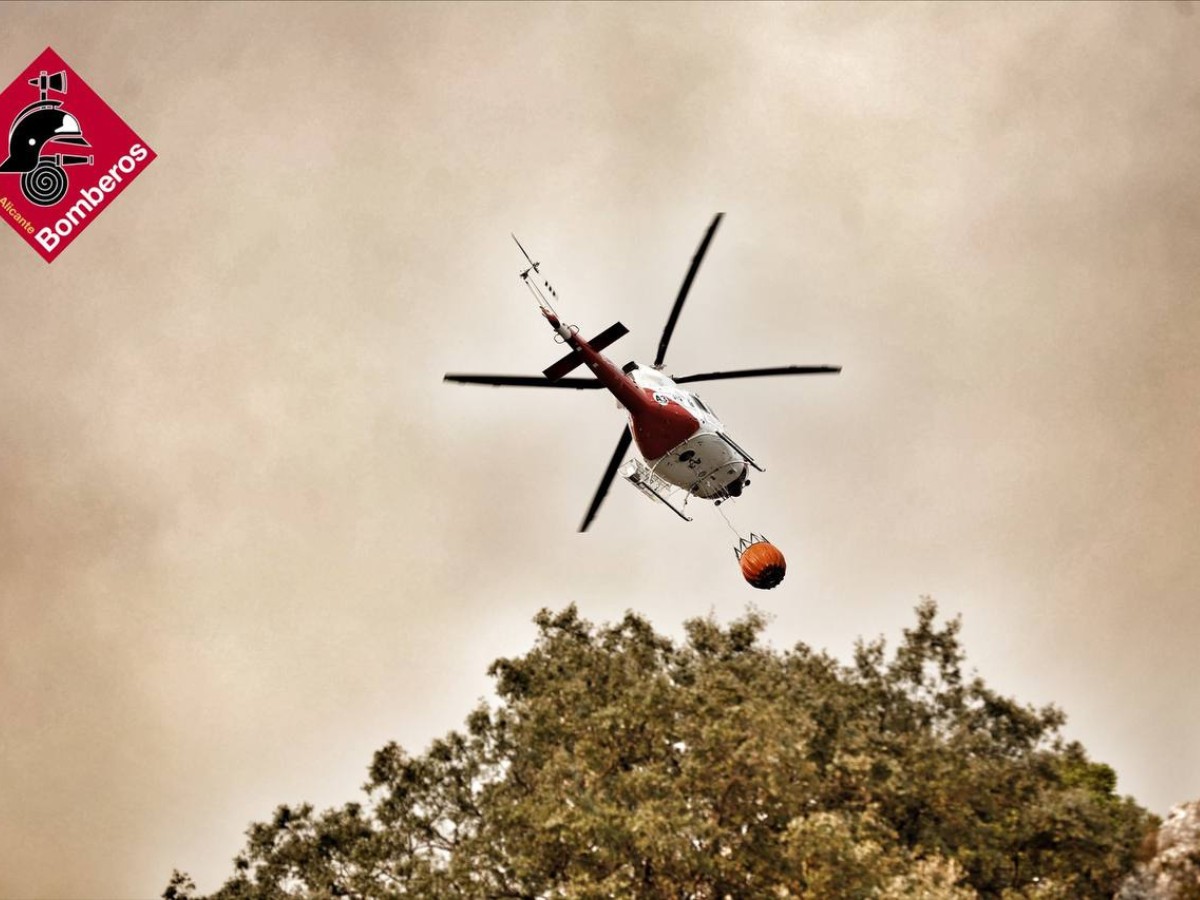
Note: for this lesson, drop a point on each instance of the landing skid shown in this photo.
(643, 478)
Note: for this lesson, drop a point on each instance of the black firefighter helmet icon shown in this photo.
(43, 180)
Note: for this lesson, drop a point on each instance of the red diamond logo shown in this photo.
(68, 156)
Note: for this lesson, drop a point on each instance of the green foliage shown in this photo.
(180, 887)
(619, 763)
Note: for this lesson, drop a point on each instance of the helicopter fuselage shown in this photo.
(704, 463)
(680, 438)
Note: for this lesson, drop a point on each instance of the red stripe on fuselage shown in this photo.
(656, 427)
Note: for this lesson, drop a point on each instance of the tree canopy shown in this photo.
(619, 763)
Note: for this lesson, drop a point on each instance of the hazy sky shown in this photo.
(247, 536)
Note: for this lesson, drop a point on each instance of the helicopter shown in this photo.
(685, 449)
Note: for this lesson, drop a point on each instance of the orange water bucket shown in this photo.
(763, 565)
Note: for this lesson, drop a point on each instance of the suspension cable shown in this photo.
(736, 533)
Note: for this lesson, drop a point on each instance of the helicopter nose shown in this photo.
(735, 487)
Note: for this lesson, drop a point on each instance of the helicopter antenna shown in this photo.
(542, 300)
(532, 265)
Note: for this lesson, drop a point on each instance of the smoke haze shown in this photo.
(247, 536)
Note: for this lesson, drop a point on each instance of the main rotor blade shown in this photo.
(606, 481)
(755, 373)
(683, 291)
(525, 381)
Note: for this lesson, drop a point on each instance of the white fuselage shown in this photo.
(704, 464)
